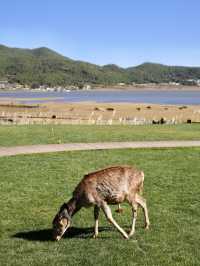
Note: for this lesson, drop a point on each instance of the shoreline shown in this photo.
(148, 87)
(138, 87)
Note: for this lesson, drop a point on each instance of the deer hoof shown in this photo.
(126, 236)
(131, 234)
(147, 227)
(120, 210)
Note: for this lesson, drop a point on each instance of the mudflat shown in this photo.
(97, 113)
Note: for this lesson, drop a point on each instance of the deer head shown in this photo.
(61, 223)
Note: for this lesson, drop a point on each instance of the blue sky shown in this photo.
(126, 33)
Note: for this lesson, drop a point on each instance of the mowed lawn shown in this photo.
(34, 186)
(44, 134)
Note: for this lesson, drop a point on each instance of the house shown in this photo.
(3, 84)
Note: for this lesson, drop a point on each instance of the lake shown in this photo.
(137, 96)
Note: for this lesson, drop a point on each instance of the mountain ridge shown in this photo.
(45, 66)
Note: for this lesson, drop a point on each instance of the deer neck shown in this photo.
(72, 207)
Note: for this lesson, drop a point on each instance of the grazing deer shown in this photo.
(112, 185)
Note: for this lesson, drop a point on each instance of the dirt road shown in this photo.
(9, 151)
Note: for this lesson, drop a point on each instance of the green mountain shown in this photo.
(157, 73)
(44, 66)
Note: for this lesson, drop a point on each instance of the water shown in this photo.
(137, 96)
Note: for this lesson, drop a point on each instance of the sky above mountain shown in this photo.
(126, 32)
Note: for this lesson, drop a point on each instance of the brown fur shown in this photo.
(112, 185)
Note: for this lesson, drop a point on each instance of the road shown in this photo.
(30, 149)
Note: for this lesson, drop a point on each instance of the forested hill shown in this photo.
(44, 66)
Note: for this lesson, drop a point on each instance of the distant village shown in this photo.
(6, 85)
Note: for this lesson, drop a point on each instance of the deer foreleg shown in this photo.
(108, 215)
(96, 217)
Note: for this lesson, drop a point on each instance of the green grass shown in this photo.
(33, 187)
(40, 134)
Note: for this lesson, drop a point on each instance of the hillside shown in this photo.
(149, 72)
(44, 66)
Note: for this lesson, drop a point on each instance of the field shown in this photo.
(34, 186)
(38, 134)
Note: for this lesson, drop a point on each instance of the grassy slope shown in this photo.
(37, 134)
(32, 188)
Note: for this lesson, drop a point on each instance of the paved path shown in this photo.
(8, 151)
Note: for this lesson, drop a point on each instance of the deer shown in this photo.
(109, 186)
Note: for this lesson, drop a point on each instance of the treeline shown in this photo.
(43, 66)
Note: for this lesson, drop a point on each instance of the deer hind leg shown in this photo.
(134, 211)
(106, 209)
(96, 217)
(142, 202)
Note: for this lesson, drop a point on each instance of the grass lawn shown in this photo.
(44, 134)
(33, 187)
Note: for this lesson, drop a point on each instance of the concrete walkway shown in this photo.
(30, 149)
